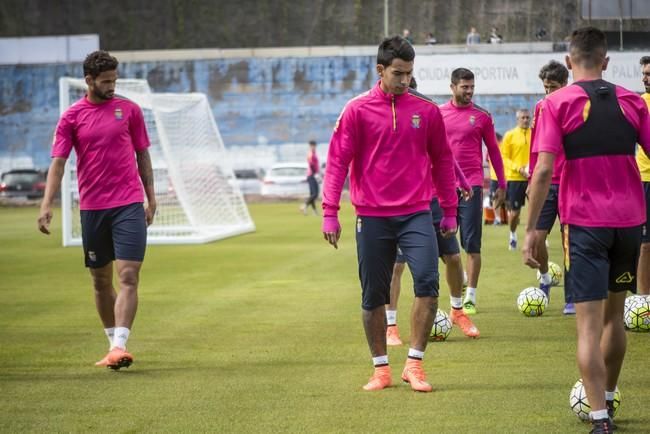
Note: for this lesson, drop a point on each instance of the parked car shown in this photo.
(28, 183)
(286, 179)
(248, 181)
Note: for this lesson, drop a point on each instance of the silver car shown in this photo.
(286, 179)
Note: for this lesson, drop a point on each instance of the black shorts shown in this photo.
(399, 257)
(446, 246)
(470, 221)
(494, 186)
(645, 236)
(114, 233)
(550, 210)
(377, 239)
(516, 194)
(598, 260)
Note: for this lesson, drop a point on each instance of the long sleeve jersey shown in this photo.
(467, 128)
(515, 150)
(396, 150)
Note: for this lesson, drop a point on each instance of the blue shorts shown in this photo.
(470, 221)
(377, 239)
(599, 260)
(645, 236)
(114, 233)
(446, 246)
(516, 194)
(550, 210)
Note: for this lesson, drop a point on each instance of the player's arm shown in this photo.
(644, 129)
(339, 156)
(140, 139)
(145, 169)
(463, 183)
(550, 143)
(52, 185)
(532, 159)
(444, 178)
(490, 139)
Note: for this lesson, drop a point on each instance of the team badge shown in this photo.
(359, 224)
(118, 113)
(92, 256)
(415, 121)
(472, 120)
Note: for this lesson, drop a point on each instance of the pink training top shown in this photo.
(312, 164)
(105, 137)
(598, 191)
(559, 158)
(467, 128)
(394, 145)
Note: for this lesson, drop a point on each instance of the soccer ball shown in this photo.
(441, 326)
(580, 405)
(555, 271)
(532, 301)
(637, 313)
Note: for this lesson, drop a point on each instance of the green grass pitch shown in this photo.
(262, 333)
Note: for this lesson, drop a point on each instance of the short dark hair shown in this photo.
(394, 48)
(588, 46)
(644, 60)
(459, 74)
(98, 62)
(554, 71)
(312, 142)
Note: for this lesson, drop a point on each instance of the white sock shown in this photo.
(497, 220)
(513, 236)
(391, 317)
(121, 336)
(609, 396)
(598, 415)
(470, 295)
(110, 333)
(415, 354)
(380, 361)
(456, 302)
(545, 278)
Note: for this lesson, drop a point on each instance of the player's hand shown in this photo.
(499, 197)
(332, 230)
(528, 251)
(150, 212)
(467, 194)
(448, 226)
(44, 220)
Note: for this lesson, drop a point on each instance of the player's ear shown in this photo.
(380, 69)
(89, 80)
(567, 60)
(605, 63)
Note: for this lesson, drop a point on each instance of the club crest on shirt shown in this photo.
(415, 121)
(472, 120)
(118, 113)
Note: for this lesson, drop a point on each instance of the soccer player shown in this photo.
(515, 150)
(494, 185)
(597, 125)
(554, 76)
(394, 143)
(468, 125)
(642, 159)
(312, 171)
(449, 253)
(109, 137)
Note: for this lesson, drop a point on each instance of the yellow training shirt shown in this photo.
(515, 150)
(641, 158)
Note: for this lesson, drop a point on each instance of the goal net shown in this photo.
(197, 197)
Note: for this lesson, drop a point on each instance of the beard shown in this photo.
(103, 95)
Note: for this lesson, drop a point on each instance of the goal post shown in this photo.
(198, 199)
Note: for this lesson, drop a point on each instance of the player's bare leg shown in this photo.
(105, 294)
(392, 331)
(454, 275)
(613, 342)
(374, 324)
(513, 222)
(589, 321)
(643, 270)
(473, 272)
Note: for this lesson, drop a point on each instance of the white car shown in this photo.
(286, 179)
